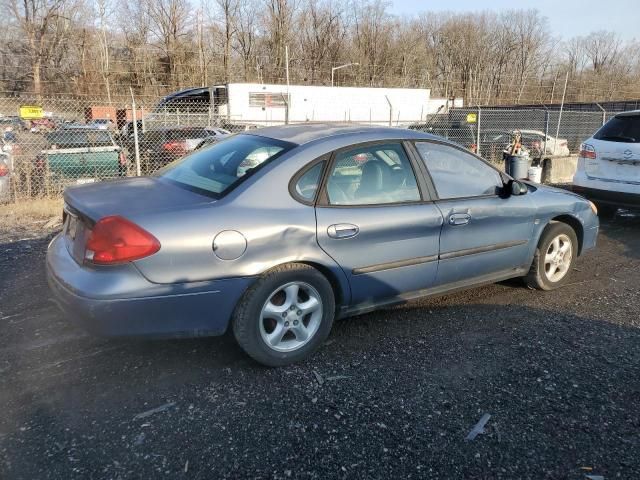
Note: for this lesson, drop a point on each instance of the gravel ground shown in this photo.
(391, 394)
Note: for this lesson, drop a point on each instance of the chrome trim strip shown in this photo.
(483, 249)
(397, 264)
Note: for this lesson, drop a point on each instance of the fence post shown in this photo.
(390, 111)
(546, 133)
(286, 108)
(564, 92)
(478, 131)
(135, 132)
(604, 113)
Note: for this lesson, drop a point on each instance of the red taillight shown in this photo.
(175, 147)
(587, 151)
(122, 159)
(115, 239)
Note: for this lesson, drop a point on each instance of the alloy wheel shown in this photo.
(557, 260)
(291, 316)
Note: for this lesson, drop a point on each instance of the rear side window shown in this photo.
(307, 185)
(622, 128)
(456, 173)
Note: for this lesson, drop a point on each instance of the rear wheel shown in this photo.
(606, 211)
(285, 316)
(554, 257)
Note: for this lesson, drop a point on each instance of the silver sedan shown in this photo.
(277, 232)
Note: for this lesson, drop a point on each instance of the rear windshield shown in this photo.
(187, 133)
(218, 168)
(623, 128)
(79, 139)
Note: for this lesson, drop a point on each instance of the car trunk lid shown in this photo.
(130, 196)
(615, 161)
(84, 205)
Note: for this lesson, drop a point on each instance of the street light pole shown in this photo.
(341, 66)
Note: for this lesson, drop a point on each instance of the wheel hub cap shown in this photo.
(558, 258)
(291, 316)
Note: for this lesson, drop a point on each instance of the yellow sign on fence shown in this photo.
(31, 112)
(472, 117)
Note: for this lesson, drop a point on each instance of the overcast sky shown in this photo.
(567, 18)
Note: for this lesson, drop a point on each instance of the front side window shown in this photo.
(372, 175)
(456, 173)
(215, 169)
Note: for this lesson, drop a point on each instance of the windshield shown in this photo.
(215, 169)
(624, 128)
(79, 139)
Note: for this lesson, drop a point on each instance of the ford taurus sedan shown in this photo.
(277, 232)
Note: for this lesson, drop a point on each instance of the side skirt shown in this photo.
(439, 290)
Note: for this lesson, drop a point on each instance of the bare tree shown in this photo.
(41, 22)
(321, 36)
(228, 10)
(104, 11)
(246, 28)
(169, 24)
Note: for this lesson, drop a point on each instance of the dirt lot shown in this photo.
(392, 394)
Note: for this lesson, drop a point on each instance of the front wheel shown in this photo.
(554, 257)
(285, 316)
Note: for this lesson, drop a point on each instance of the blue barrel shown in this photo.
(517, 166)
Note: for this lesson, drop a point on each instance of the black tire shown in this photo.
(247, 316)
(538, 277)
(606, 211)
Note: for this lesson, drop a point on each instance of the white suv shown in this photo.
(609, 165)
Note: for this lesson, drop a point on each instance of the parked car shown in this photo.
(334, 221)
(535, 141)
(102, 124)
(81, 154)
(161, 146)
(126, 132)
(40, 125)
(237, 127)
(14, 122)
(6, 170)
(464, 134)
(609, 165)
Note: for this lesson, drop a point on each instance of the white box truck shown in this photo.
(263, 104)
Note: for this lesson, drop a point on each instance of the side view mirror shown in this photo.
(518, 188)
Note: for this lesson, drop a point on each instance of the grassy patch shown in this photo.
(29, 212)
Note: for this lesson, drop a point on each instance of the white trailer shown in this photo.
(265, 104)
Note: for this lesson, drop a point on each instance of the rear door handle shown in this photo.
(343, 230)
(459, 219)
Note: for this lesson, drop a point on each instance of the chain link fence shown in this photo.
(51, 143)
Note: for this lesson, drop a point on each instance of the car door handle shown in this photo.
(459, 219)
(343, 230)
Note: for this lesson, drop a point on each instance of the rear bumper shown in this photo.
(99, 301)
(609, 197)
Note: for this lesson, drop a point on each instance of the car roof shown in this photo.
(79, 128)
(179, 128)
(630, 113)
(308, 132)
